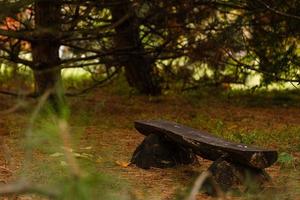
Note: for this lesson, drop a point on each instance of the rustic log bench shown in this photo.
(169, 144)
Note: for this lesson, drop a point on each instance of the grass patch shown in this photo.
(103, 120)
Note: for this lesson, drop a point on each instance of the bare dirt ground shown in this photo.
(103, 122)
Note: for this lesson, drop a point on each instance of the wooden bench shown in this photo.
(169, 144)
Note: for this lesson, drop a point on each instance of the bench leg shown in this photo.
(231, 176)
(156, 151)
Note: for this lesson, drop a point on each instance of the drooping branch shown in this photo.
(278, 12)
(253, 68)
(22, 34)
(17, 59)
(96, 84)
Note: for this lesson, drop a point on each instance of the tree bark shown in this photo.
(45, 50)
(139, 69)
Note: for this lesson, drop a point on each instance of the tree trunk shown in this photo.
(45, 51)
(139, 69)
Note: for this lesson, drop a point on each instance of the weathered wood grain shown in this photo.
(207, 145)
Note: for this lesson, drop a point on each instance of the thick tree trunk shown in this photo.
(139, 69)
(45, 50)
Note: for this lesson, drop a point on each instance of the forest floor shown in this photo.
(102, 123)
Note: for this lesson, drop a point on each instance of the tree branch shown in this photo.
(23, 35)
(279, 12)
(98, 83)
(250, 67)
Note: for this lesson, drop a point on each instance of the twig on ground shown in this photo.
(6, 169)
(24, 187)
(16, 94)
(13, 108)
(3, 181)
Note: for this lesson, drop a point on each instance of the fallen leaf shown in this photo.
(99, 159)
(83, 155)
(123, 164)
(232, 127)
(57, 154)
(86, 148)
(63, 163)
(67, 149)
